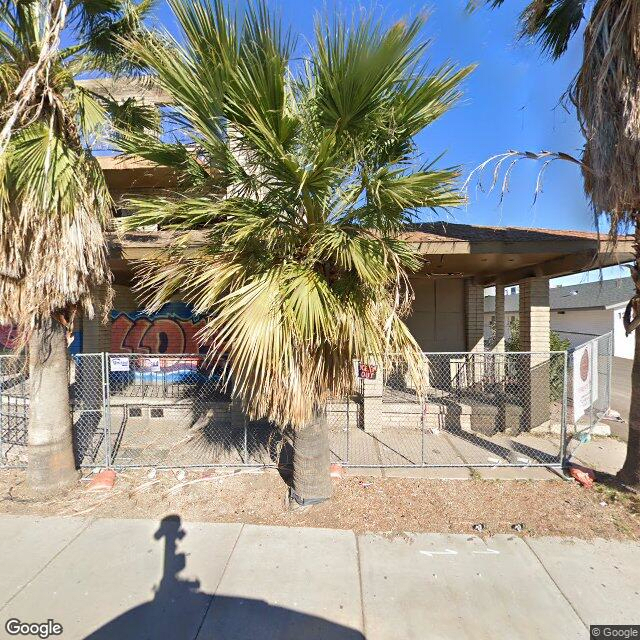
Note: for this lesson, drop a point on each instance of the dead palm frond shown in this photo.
(54, 203)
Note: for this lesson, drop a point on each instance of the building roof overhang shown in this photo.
(487, 255)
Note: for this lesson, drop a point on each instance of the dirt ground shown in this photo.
(382, 505)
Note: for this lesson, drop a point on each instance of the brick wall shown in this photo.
(474, 316)
(534, 315)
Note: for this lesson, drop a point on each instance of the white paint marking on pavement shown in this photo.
(446, 552)
(491, 552)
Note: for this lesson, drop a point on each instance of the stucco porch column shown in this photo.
(498, 345)
(533, 369)
(474, 329)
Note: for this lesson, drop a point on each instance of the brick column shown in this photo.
(474, 328)
(535, 319)
(371, 419)
(498, 345)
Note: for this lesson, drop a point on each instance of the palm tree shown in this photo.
(54, 203)
(304, 174)
(606, 94)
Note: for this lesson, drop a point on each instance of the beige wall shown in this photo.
(437, 318)
(97, 335)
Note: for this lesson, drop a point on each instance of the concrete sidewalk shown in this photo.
(137, 579)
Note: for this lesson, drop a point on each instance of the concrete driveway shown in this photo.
(620, 396)
(139, 579)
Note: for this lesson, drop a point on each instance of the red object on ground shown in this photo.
(103, 480)
(585, 476)
(336, 471)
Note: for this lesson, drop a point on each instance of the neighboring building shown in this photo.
(579, 312)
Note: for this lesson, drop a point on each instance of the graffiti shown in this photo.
(7, 337)
(173, 329)
(9, 340)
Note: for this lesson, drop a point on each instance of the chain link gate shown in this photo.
(482, 409)
(172, 411)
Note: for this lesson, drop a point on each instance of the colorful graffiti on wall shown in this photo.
(7, 338)
(172, 329)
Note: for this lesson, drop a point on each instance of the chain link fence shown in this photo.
(589, 389)
(467, 409)
(14, 410)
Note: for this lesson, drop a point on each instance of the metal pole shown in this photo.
(1, 406)
(106, 408)
(591, 421)
(424, 407)
(246, 445)
(610, 372)
(563, 418)
(348, 421)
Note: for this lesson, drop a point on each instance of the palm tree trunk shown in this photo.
(50, 443)
(630, 472)
(311, 480)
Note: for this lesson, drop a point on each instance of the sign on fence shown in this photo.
(367, 371)
(119, 364)
(585, 378)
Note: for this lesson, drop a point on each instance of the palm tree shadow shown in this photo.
(180, 610)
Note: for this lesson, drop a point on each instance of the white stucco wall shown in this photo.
(623, 345)
(581, 325)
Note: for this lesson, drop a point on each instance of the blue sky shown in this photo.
(511, 101)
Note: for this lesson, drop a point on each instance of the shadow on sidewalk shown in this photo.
(180, 610)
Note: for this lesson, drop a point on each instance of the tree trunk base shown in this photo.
(306, 502)
(311, 482)
(49, 469)
(629, 478)
(51, 463)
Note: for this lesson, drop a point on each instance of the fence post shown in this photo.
(563, 418)
(424, 408)
(610, 372)
(1, 407)
(246, 443)
(106, 408)
(346, 455)
(592, 361)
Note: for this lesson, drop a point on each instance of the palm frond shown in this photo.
(306, 182)
(552, 23)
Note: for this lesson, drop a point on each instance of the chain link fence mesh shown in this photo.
(590, 363)
(173, 411)
(468, 409)
(14, 410)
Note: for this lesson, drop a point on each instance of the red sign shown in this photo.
(367, 371)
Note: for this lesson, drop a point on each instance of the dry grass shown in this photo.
(384, 505)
